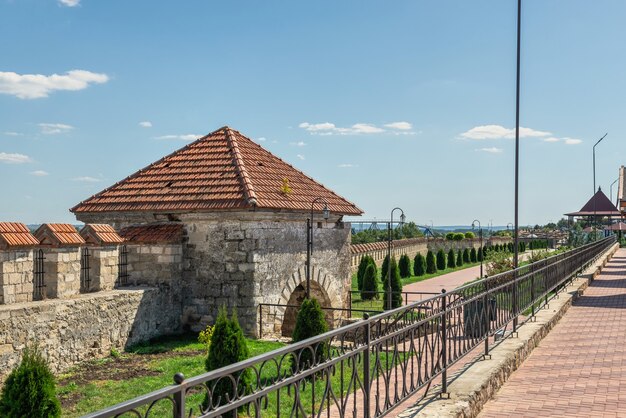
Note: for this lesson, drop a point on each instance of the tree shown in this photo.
(450, 236)
(470, 235)
(431, 267)
(466, 255)
(459, 236)
(384, 267)
(310, 322)
(419, 265)
(441, 260)
(370, 284)
(365, 261)
(459, 258)
(480, 253)
(451, 261)
(29, 390)
(396, 287)
(473, 257)
(228, 346)
(404, 266)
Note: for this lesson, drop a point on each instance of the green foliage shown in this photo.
(498, 262)
(451, 260)
(396, 287)
(441, 260)
(366, 260)
(431, 267)
(115, 353)
(408, 230)
(370, 283)
(480, 254)
(419, 265)
(473, 257)
(228, 346)
(450, 236)
(459, 258)
(29, 391)
(470, 235)
(466, 255)
(204, 337)
(384, 267)
(459, 236)
(405, 266)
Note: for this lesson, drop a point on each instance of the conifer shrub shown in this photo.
(441, 260)
(370, 284)
(480, 253)
(228, 346)
(431, 266)
(419, 265)
(396, 287)
(451, 259)
(384, 267)
(309, 323)
(473, 257)
(29, 390)
(466, 255)
(404, 266)
(459, 258)
(365, 261)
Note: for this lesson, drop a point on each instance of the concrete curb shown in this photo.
(477, 383)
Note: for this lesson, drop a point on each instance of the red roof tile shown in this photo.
(153, 234)
(13, 234)
(101, 234)
(223, 170)
(58, 234)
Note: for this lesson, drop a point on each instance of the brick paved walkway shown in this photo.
(579, 369)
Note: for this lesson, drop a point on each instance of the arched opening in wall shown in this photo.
(296, 299)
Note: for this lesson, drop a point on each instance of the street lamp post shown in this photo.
(482, 253)
(389, 228)
(594, 185)
(309, 241)
(616, 180)
(517, 102)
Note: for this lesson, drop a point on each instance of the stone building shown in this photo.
(242, 216)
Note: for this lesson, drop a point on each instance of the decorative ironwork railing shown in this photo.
(369, 367)
(122, 266)
(85, 269)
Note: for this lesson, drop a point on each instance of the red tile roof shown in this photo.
(599, 205)
(223, 170)
(101, 234)
(153, 234)
(13, 234)
(58, 234)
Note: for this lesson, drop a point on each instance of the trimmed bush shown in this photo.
(404, 265)
(419, 265)
(365, 261)
(384, 267)
(396, 287)
(470, 235)
(451, 259)
(450, 236)
(480, 253)
(441, 260)
(473, 257)
(431, 266)
(309, 323)
(370, 283)
(466, 255)
(29, 391)
(459, 236)
(228, 346)
(459, 258)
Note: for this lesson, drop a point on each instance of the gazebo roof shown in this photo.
(598, 205)
(619, 226)
(223, 170)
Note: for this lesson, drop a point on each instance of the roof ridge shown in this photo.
(251, 197)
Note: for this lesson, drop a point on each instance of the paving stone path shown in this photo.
(579, 368)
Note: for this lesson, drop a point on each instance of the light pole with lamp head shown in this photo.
(616, 180)
(482, 253)
(309, 241)
(594, 184)
(389, 228)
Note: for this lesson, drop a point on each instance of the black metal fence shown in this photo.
(39, 286)
(85, 269)
(369, 367)
(122, 266)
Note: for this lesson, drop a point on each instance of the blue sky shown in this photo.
(403, 103)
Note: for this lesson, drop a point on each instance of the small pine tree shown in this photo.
(441, 260)
(365, 261)
(29, 391)
(405, 266)
(228, 346)
(370, 284)
(384, 267)
(419, 265)
(473, 257)
(396, 287)
(459, 258)
(466, 256)
(451, 259)
(480, 253)
(431, 266)
(309, 323)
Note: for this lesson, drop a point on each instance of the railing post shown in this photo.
(366, 367)
(444, 347)
(260, 321)
(350, 304)
(532, 287)
(487, 313)
(179, 397)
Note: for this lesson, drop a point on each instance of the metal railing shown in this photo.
(122, 266)
(371, 366)
(85, 269)
(39, 285)
(376, 298)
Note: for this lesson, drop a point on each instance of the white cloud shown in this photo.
(39, 173)
(261, 139)
(69, 3)
(492, 150)
(298, 144)
(551, 139)
(572, 141)
(327, 128)
(498, 131)
(300, 156)
(347, 165)
(314, 127)
(14, 158)
(12, 133)
(403, 126)
(86, 179)
(36, 86)
(54, 128)
(145, 124)
(185, 137)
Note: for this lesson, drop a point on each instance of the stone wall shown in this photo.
(154, 264)
(16, 276)
(62, 272)
(104, 267)
(86, 327)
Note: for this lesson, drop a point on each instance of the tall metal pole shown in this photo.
(616, 180)
(517, 100)
(481, 252)
(389, 227)
(594, 186)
